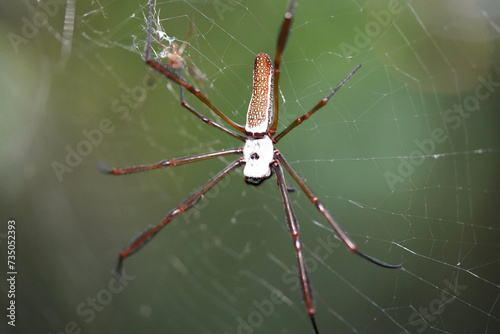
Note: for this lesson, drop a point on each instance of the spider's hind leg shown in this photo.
(324, 212)
(144, 237)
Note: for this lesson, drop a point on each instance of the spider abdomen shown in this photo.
(260, 109)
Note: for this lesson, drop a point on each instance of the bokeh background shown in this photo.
(406, 156)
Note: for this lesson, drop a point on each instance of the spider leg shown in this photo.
(316, 107)
(190, 201)
(170, 162)
(167, 72)
(293, 226)
(207, 120)
(285, 30)
(185, 43)
(314, 199)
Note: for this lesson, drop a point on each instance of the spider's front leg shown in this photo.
(170, 74)
(170, 162)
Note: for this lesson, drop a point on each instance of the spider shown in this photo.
(259, 157)
(175, 58)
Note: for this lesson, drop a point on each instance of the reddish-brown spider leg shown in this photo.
(285, 29)
(170, 162)
(143, 238)
(316, 107)
(163, 69)
(314, 199)
(207, 120)
(293, 226)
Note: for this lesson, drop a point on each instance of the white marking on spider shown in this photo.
(258, 154)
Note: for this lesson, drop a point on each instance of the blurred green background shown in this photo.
(405, 156)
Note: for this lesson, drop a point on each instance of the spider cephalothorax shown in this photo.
(258, 154)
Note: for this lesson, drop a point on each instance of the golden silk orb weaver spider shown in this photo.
(259, 157)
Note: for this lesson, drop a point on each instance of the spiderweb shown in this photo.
(405, 156)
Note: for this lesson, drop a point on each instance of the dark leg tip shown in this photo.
(119, 266)
(316, 331)
(378, 262)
